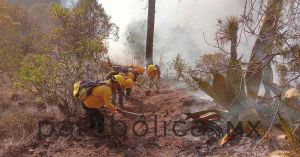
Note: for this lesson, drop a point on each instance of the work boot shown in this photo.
(99, 132)
(91, 120)
(99, 121)
(92, 125)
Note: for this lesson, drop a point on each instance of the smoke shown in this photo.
(175, 40)
(68, 3)
(180, 26)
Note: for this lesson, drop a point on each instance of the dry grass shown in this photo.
(18, 124)
(19, 116)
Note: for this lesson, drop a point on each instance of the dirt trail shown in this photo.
(168, 106)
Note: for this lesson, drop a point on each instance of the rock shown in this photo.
(279, 153)
(249, 115)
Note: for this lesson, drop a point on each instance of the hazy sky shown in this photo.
(195, 16)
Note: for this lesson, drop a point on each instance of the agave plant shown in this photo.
(237, 91)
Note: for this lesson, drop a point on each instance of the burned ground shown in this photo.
(169, 106)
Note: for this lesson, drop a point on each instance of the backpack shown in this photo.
(111, 74)
(86, 87)
(120, 69)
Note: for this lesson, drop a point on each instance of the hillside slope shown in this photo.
(168, 106)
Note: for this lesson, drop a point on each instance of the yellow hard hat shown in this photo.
(140, 69)
(130, 65)
(128, 83)
(120, 79)
(151, 68)
(76, 88)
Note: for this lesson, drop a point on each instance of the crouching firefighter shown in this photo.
(96, 96)
(123, 91)
(128, 88)
(134, 73)
(153, 73)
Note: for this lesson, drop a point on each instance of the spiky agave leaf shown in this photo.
(273, 87)
(215, 91)
(253, 77)
(205, 86)
(267, 77)
(223, 95)
(293, 140)
(235, 79)
(263, 46)
(288, 96)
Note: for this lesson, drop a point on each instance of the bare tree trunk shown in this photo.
(150, 32)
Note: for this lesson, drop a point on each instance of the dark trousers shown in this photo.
(96, 118)
(120, 96)
(127, 94)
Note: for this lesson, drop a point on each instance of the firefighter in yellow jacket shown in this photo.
(131, 74)
(153, 73)
(135, 72)
(122, 92)
(130, 71)
(96, 96)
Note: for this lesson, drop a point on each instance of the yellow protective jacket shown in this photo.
(100, 97)
(131, 76)
(153, 74)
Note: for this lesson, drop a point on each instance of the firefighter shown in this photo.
(153, 73)
(128, 88)
(131, 73)
(122, 92)
(135, 72)
(96, 96)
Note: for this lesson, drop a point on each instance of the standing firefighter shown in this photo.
(96, 96)
(153, 73)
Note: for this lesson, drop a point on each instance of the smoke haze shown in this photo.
(179, 26)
